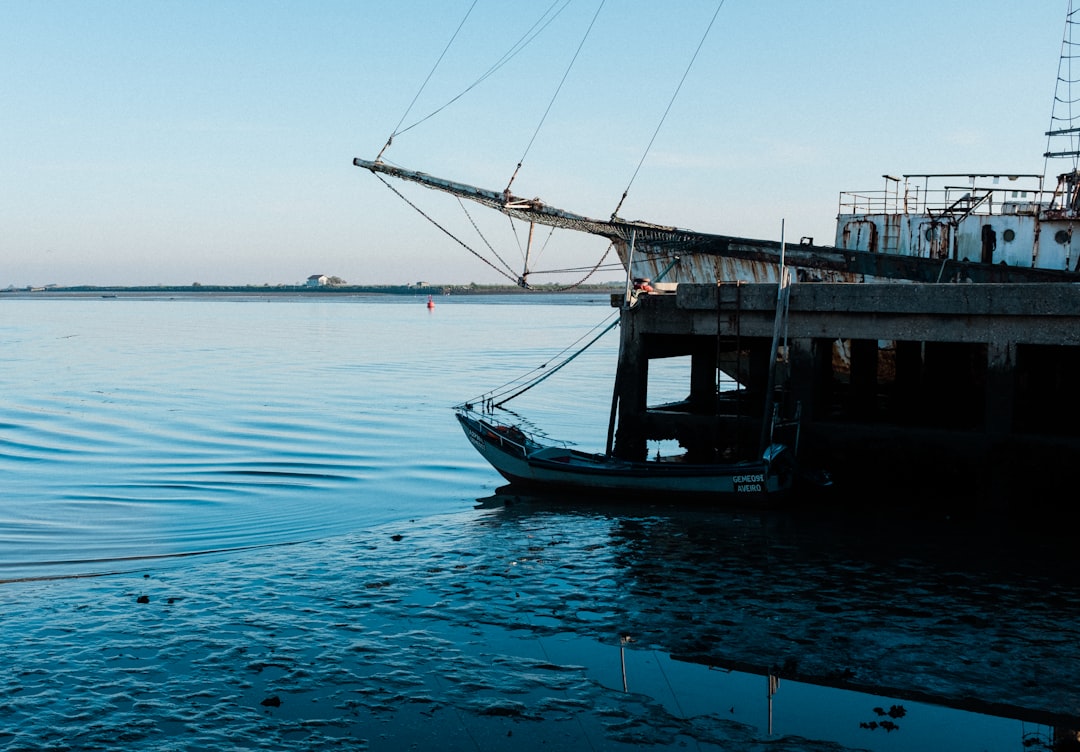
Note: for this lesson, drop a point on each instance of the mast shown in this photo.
(655, 243)
(535, 210)
(1063, 137)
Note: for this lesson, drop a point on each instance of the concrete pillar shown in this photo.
(631, 382)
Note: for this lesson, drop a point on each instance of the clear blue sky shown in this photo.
(186, 141)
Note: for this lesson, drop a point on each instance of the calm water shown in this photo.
(132, 428)
(299, 549)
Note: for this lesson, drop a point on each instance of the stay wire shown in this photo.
(586, 277)
(525, 251)
(611, 266)
(555, 95)
(447, 232)
(1064, 76)
(429, 75)
(529, 379)
(507, 56)
(536, 254)
(659, 125)
(557, 368)
(488, 399)
(494, 253)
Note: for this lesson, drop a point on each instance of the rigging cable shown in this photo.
(648, 148)
(581, 281)
(429, 75)
(517, 47)
(539, 26)
(529, 380)
(539, 125)
(610, 266)
(494, 253)
(527, 253)
(450, 234)
(523, 279)
(553, 96)
(1068, 118)
(1069, 132)
(488, 399)
(557, 368)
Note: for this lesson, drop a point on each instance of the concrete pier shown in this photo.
(956, 392)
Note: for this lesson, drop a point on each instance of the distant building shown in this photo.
(317, 280)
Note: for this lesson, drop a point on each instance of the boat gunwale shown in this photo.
(591, 467)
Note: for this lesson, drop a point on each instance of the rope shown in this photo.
(648, 148)
(447, 232)
(429, 75)
(508, 272)
(522, 281)
(1064, 76)
(610, 266)
(586, 277)
(556, 94)
(524, 252)
(509, 269)
(490, 402)
(557, 368)
(507, 56)
(488, 398)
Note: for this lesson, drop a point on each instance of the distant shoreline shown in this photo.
(470, 289)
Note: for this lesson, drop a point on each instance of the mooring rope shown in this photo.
(488, 399)
(557, 368)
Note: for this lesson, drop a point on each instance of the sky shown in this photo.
(169, 142)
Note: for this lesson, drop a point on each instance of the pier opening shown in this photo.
(1043, 401)
(907, 383)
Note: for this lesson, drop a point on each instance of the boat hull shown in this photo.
(524, 462)
(888, 242)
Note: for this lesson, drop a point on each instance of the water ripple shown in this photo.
(142, 428)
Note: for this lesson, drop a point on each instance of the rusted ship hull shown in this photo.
(652, 251)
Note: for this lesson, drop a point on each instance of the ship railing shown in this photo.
(872, 202)
(951, 201)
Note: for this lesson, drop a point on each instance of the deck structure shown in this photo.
(958, 392)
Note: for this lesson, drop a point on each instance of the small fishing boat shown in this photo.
(524, 459)
(748, 452)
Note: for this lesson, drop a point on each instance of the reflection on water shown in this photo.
(531, 625)
(401, 616)
(874, 632)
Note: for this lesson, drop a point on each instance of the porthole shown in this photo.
(1063, 237)
(931, 233)
(1009, 235)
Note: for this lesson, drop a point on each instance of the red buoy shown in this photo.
(430, 302)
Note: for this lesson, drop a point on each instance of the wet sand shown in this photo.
(525, 626)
